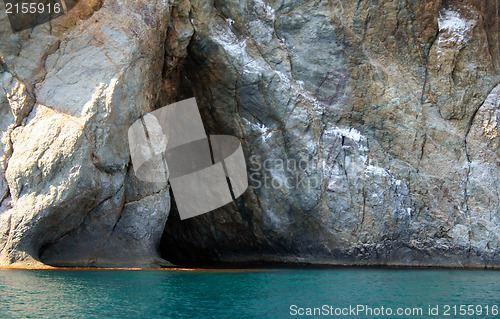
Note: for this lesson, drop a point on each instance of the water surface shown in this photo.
(264, 293)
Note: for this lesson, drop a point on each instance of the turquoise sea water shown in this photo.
(265, 293)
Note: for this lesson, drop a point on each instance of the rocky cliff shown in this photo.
(369, 127)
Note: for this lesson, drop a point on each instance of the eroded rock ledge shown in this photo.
(389, 106)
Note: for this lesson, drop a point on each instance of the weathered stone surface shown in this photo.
(6, 120)
(71, 89)
(370, 129)
(376, 100)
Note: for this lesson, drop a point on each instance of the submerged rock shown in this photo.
(370, 132)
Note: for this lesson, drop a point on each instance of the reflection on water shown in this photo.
(264, 293)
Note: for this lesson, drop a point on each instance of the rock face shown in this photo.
(71, 88)
(370, 130)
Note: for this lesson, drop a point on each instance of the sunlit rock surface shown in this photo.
(370, 131)
(73, 86)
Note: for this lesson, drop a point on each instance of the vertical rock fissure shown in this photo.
(469, 163)
(5, 196)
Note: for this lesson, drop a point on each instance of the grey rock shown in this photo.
(382, 104)
(72, 87)
(370, 131)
